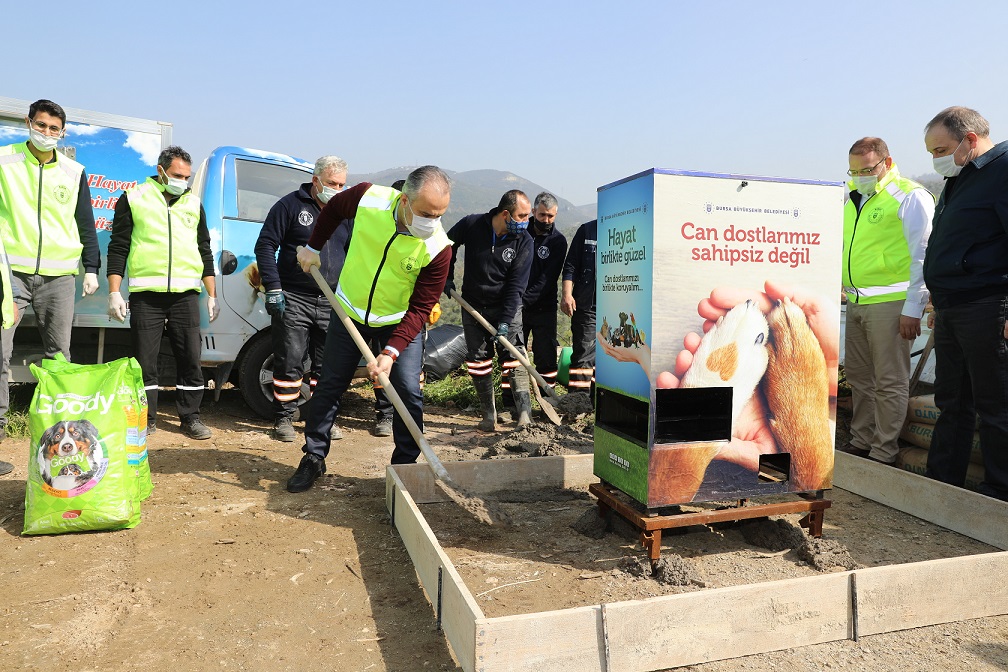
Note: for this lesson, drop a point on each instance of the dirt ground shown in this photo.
(228, 571)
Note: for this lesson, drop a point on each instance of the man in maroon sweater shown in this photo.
(395, 269)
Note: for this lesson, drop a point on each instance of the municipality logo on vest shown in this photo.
(62, 194)
(876, 216)
(409, 264)
(305, 218)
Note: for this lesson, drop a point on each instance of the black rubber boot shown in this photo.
(485, 392)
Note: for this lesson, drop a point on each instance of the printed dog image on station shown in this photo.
(626, 335)
(780, 401)
(69, 453)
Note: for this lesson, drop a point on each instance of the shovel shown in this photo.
(472, 503)
(546, 406)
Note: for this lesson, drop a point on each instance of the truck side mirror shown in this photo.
(228, 262)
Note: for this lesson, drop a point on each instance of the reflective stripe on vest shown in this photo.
(37, 210)
(164, 255)
(876, 258)
(382, 265)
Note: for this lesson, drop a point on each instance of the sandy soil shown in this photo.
(228, 571)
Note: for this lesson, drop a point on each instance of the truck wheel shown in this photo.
(255, 378)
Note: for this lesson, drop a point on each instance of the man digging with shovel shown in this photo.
(497, 263)
(395, 269)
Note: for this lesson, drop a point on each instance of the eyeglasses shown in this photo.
(866, 171)
(42, 127)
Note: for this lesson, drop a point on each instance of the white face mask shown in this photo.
(325, 193)
(175, 186)
(865, 184)
(946, 165)
(422, 227)
(42, 142)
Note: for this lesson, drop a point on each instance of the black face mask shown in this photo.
(541, 228)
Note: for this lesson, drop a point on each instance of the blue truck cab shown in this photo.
(237, 187)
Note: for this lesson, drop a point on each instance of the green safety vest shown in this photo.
(382, 264)
(876, 258)
(37, 205)
(7, 306)
(164, 255)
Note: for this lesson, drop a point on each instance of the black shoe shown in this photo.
(283, 430)
(195, 429)
(851, 450)
(3, 433)
(151, 428)
(311, 467)
(5, 468)
(383, 426)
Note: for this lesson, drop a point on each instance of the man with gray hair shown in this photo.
(966, 271)
(539, 302)
(299, 311)
(395, 268)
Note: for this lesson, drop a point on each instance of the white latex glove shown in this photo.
(213, 310)
(116, 306)
(90, 283)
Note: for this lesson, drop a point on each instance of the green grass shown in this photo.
(456, 388)
(17, 415)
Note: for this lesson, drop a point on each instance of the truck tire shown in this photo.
(255, 377)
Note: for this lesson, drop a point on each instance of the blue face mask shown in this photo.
(516, 227)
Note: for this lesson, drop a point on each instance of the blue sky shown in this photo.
(571, 95)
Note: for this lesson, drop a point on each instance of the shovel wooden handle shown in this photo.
(507, 344)
(428, 452)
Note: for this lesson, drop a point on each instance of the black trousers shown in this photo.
(149, 313)
(542, 325)
(582, 364)
(971, 380)
(298, 341)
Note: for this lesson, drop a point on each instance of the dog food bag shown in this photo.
(136, 438)
(136, 415)
(79, 476)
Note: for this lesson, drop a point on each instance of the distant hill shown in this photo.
(932, 181)
(480, 190)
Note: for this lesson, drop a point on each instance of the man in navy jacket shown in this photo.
(497, 262)
(297, 306)
(966, 271)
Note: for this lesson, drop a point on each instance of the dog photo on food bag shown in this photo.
(69, 453)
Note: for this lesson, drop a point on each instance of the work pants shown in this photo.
(971, 379)
(382, 405)
(877, 366)
(298, 342)
(481, 345)
(339, 363)
(52, 300)
(149, 311)
(542, 326)
(581, 374)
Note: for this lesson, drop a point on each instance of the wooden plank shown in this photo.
(482, 476)
(899, 597)
(970, 513)
(724, 623)
(459, 610)
(671, 631)
(548, 641)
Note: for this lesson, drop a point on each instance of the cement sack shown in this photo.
(920, 435)
(922, 410)
(915, 460)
